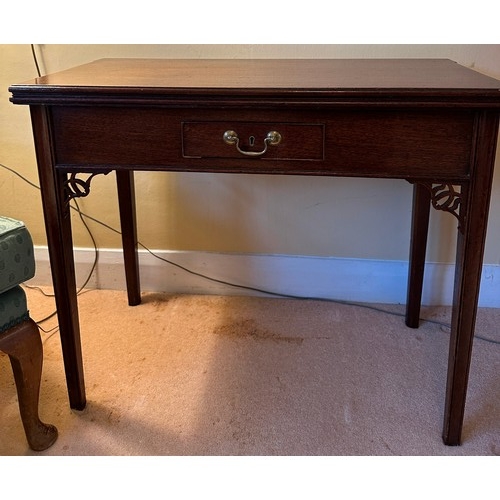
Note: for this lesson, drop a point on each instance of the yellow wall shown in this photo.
(358, 218)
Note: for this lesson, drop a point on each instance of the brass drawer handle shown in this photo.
(273, 138)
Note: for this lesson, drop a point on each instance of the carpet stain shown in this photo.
(248, 328)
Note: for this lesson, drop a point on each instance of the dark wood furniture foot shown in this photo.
(23, 345)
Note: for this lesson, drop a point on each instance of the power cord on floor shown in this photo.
(84, 216)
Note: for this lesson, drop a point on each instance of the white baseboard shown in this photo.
(357, 280)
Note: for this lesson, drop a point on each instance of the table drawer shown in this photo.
(265, 140)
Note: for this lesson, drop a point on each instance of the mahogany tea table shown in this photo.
(429, 121)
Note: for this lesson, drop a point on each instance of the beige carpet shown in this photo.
(209, 375)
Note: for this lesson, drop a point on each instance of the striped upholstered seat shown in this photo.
(17, 265)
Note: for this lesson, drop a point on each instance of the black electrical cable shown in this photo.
(96, 251)
(83, 215)
(35, 59)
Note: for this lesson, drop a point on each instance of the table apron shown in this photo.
(398, 143)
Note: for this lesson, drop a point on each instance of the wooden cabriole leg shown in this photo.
(418, 245)
(126, 200)
(24, 346)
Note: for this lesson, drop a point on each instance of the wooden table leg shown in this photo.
(475, 199)
(126, 200)
(60, 243)
(418, 246)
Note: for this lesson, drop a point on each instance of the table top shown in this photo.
(287, 78)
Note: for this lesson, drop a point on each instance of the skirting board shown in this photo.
(353, 280)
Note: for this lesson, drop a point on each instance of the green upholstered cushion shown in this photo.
(13, 308)
(17, 260)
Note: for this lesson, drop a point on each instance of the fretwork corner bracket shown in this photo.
(78, 188)
(447, 198)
